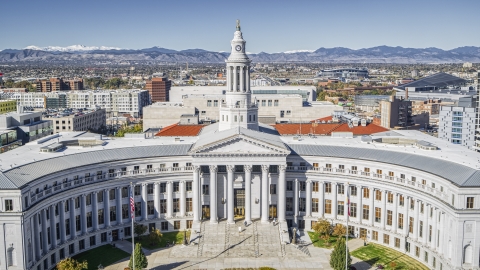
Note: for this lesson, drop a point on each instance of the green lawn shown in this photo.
(317, 242)
(104, 255)
(167, 237)
(377, 254)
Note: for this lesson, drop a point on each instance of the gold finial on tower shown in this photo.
(238, 25)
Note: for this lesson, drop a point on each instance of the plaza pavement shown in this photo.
(220, 246)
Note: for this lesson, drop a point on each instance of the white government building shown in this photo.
(409, 191)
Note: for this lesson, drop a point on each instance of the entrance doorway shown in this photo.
(273, 211)
(114, 235)
(205, 211)
(239, 202)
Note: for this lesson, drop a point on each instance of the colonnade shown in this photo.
(239, 79)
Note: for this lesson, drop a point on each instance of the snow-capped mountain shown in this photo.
(300, 51)
(73, 48)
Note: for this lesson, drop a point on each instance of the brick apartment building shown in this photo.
(58, 84)
(159, 89)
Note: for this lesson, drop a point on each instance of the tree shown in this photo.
(71, 264)
(322, 227)
(339, 230)
(139, 229)
(155, 236)
(140, 258)
(337, 258)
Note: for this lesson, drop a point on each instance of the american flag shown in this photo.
(132, 203)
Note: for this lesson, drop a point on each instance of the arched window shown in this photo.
(468, 255)
(11, 257)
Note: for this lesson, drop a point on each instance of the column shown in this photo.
(61, 212)
(384, 209)
(94, 211)
(73, 232)
(415, 219)
(360, 206)
(426, 210)
(235, 79)
(247, 73)
(196, 193)
(156, 202)
(265, 169)
(248, 193)
(321, 198)
(406, 205)
(83, 213)
(282, 193)
(44, 231)
(308, 212)
(119, 206)
(229, 78)
(106, 206)
(434, 228)
(371, 216)
(395, 213)
(230, 196)
(441, 227)
(334, 200)
(144, 202)
(53, 228)
(169, 199)
(242, 75)
(183, 199)
(36, 236)
(213, 194)
(296, 195)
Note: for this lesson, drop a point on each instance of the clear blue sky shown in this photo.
(269, 26)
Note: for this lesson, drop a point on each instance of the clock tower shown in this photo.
(238, 110)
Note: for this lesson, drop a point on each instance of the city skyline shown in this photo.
(191, 25)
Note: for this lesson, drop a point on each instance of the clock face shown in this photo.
(238, 48)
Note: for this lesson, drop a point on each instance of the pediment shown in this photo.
(241, 145)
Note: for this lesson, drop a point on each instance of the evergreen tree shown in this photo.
(337, 258)
(141, 261)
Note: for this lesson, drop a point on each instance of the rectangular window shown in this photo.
(389, 217)
(163, 187)
(340, 208)
(164, 225)
(470, 202)
(378, 195)
(138, 209)
(378, 214)
(101, 216)
(390, 197)
(275, 103)
(103, 237)
(375, 235)
(137, 190)
(301, 206)
(77, 202)
(314, 205)
(188, 186)
(315, 186)
(176, 225)
(78, 224)
(386, 239)
(163, 206)
(113, 213)
(401, 200)
(289, 185)
(303, 186)
(412, 204)
(189, 205)
(328, 206)
(176, 205)
(289, 204)
(366, 193)
(410, 225)
(112, 194)
(400, 221)
(353, 209)
(99, 197)
(273, 189)
(125, 208)
(397, 242)
(420, 229)
(176, 187)
(150, 208)
(425, 257)
(89, 219)
(353, 190)
(92, 240)
(150, 189)
(71, 249)
(341, 189)
(430, 233)
(88, 199)
(67, 226)
(205, 190)
(269, 103)
(8, 205)
(366, 212)
(328, 188)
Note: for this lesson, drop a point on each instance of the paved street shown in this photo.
(220, 246)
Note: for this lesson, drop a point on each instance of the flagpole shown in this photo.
(132, 216)
(348, 215)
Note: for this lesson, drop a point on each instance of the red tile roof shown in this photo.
(327, 129)
(180, 130)
(326, 119)
(306, 128)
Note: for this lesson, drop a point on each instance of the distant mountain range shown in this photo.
(380, 54)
